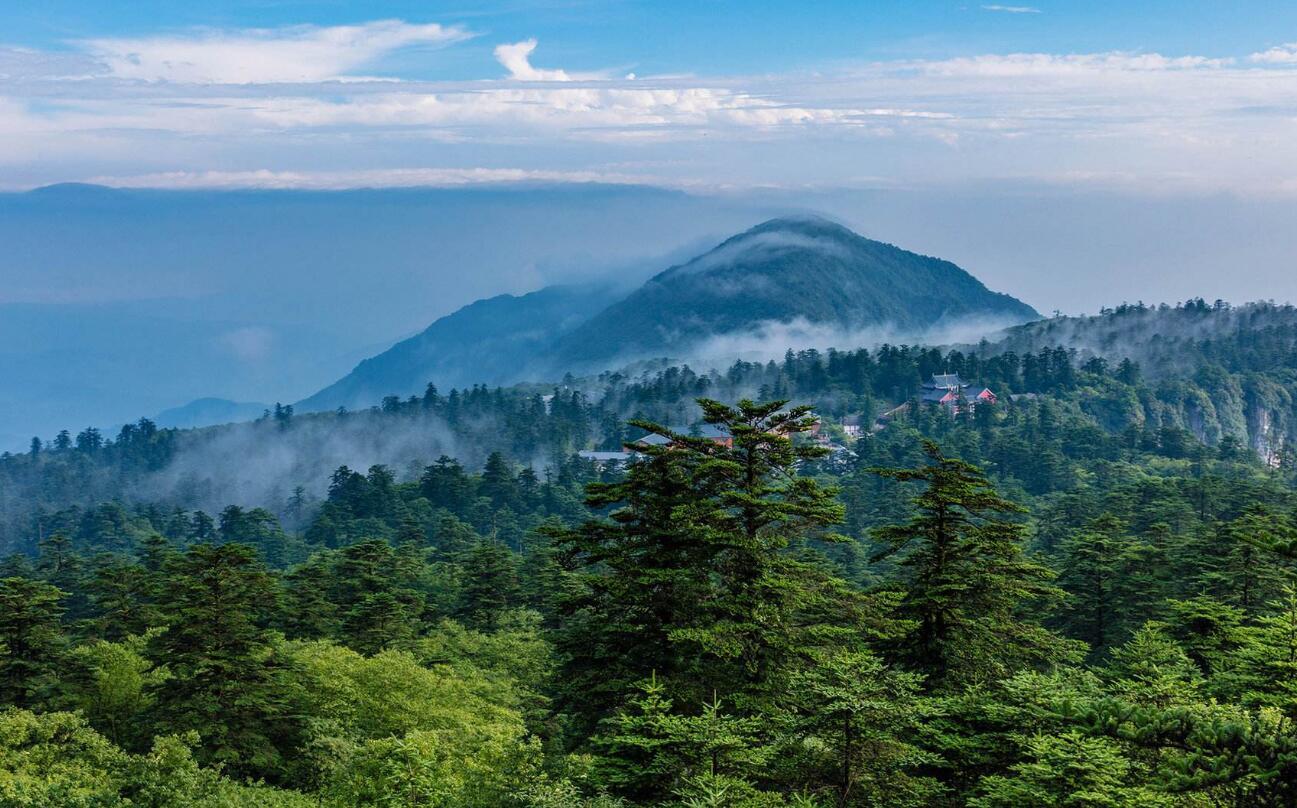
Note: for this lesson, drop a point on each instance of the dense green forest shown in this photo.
(1081, 595)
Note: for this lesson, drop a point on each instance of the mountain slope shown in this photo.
(209, 412)
(807, 270)
(492, 341)
(804, 270)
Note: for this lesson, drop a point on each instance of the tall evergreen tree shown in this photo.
(490, 584)
(227, 679)
(31, 640)
(967, 581)
(689, 577)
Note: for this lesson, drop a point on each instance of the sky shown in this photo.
(1074, 154)
(1151, 97)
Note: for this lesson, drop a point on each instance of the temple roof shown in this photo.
(945, 381)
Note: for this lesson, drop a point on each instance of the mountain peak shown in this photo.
(802, 278)
(798, 226)
(772, 239)
(789, 271)
(805, 223)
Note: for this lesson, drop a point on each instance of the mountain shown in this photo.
(806, 272)
(816, 278)
(73, 365)
(119, 303)
(209, 412)
(492, 341)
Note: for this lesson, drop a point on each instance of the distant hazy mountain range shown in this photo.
(209, 412)
(787, 283)
(117, 304)
(492, 341)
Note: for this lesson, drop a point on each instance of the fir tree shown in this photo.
(227, 681)
(967, 579)
(31, 642)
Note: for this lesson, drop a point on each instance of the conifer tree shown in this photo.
(31, 641)
(490, 584)
(227, 680)
(1089, 566)
(121, 595)
(856, 726)
(967, 580)
(689, 577)
(650, 750)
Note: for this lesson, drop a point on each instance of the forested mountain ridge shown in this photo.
(805, 270)
(1213, 369)
(1169, 340)
(1077, 589)
(805, 273)
(492, 341)
(1244, 396)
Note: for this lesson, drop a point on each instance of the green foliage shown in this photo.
(967, 579)
(856, 724)
(734, 622)
(31, 640)
(689, 577)
(1067, 770)
(54, 760)
(228, 679)
(112, 685)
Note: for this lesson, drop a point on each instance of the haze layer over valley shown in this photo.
(121, 304)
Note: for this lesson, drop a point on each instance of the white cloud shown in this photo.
(297, 54)
(363, 178)
(516, 58)
(1012, 9)
(1211, 123)
(1279, 55)
(26, 64)
(1039, 65)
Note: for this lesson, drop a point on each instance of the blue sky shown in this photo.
(710, 36)
(1181, 97)
(1076, 154)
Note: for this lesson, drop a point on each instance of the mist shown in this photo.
(261, 463)
(772, 338)
(119, 304)
(1155, 336)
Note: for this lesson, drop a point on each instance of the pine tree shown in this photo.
(856, 725)
(1151, 669)
(308, 610)
(649, 750)
(490, 584)
(227, 679)
(121, 596)
(689, 577)
(1248, 569)
(1089, 566)
(31, 641)
(1066, 770)
(966, 579)
(373, 592)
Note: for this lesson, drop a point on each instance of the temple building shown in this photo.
(953, 393)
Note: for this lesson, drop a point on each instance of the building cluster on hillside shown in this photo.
(953, 393)
(715, 434)
(945, 390)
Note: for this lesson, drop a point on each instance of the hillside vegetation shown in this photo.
(806, 279)
(1083, 594)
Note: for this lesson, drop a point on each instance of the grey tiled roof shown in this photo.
(946, 380)
(709, 431)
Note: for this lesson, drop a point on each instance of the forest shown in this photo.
(1081, 595)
